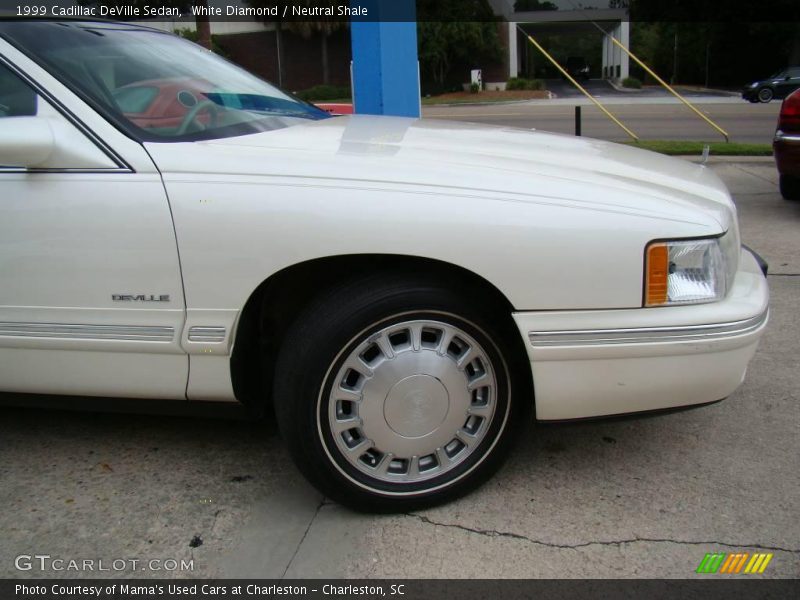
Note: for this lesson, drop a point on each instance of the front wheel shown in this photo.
(765, 94)
(396, 393)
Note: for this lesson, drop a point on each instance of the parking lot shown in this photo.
(649, 118)
(627, 498)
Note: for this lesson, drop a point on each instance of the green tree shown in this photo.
(727, 54)
(194, 36)
(203, 25)
(453, 37)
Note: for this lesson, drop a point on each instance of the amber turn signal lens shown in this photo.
(656, 275)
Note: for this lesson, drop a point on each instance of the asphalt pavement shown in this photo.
(650, 117)
(612, 499)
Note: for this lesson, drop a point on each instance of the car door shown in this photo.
(789, 82)
(91, 301)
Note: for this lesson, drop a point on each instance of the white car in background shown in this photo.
(403, 292)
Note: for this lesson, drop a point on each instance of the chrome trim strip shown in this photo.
(780, 136)
(212, 335)
(646, 335)
(137, 333)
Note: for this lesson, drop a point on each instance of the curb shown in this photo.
(704, 90)
(499, 103)
(728, 159)
(625, 90)
(680, 89)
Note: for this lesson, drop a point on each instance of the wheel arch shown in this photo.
(277, 301)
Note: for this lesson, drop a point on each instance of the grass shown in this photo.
(334, 101)
(677, 148)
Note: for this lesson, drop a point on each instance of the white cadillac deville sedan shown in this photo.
(402, 292)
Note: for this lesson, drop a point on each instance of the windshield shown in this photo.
(157, 86)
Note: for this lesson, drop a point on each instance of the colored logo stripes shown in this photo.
(734, 562)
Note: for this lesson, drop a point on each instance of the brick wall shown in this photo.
(302, 58)
(498, 71)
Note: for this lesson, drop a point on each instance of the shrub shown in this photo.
(324, 92)
(520, 83)
(632, 82)
(193, 36)
(474, 88)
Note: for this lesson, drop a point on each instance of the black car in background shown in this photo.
(577, 67)
(778, 86)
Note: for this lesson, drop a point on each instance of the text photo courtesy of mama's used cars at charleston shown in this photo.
(404, 293)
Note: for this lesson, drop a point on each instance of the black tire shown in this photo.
(790, 187)
(765, 94)
(324, 335)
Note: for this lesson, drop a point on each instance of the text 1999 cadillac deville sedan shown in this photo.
(403, 292)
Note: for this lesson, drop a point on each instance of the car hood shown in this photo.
(495, 162)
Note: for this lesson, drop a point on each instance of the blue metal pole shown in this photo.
(385, 62)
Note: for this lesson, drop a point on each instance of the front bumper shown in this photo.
(786, 148)
(609, 362)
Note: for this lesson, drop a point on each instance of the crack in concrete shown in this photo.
(783, 275)
(214, 523)
(303, 539)
(756, 175)
(635, 540)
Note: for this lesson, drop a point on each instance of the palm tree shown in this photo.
(324, 28)
(203, 25)
(201, 22)
(306, 29)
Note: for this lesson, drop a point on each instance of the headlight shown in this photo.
(685, 272)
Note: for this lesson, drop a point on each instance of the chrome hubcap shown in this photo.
(412, 401)
(416, 406)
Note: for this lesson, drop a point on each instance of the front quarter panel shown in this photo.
(234, 231)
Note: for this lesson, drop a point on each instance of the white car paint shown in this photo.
(557, 224)
(355, 185)
(595, 363)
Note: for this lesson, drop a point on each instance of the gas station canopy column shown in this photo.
(576, 23)
(615, 61)
(385, 62)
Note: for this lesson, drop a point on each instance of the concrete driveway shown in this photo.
(633, 498)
